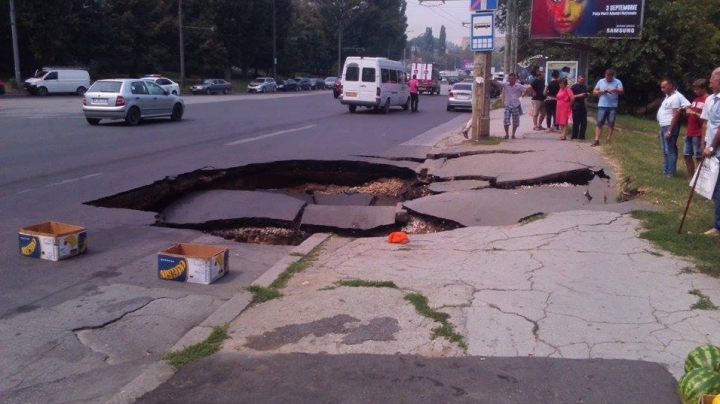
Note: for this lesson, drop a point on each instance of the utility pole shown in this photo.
(481, 103)
(274, 42)
(16, 52)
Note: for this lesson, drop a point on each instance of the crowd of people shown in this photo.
(557, 100)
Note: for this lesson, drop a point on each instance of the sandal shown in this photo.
(562, 138)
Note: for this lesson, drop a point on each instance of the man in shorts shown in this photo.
(693, 132)
(511, 91)
(609, 90)
(536, 88)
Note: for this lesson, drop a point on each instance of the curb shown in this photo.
(160, 371)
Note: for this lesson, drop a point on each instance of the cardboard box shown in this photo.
(52, 241)
(706, 399)
(194, 263)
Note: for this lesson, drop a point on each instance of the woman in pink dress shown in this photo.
(562, 112)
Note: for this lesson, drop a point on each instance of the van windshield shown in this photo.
(40, 73)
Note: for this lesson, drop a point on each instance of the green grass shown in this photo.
(199, 350)
(445, 330)
(294, 268)
(261, 294)
(359, 283)
(704, 303)
(636, 152)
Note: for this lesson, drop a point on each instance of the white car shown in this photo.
(168, 85)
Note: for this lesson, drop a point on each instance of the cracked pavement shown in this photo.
(573, 285)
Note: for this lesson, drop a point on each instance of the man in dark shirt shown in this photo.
(579, 109)
(551, 100)
(536, 87)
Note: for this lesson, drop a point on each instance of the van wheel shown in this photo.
(177, 112)
(80, 90)
(386, 107)
(406, 106)
(133, 116)
(92, 121)
(42, 91)
(352, 108)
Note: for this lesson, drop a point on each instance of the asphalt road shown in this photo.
(66, 326)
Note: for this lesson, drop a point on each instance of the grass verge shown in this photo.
(636, 153)
(704, 303)
(199, 350)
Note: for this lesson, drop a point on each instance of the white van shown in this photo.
(374, 83)
(58, 80)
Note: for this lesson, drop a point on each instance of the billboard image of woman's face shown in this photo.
(565, 15)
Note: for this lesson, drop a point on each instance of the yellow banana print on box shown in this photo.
(174, 272)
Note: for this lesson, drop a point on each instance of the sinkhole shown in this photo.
(285, 202)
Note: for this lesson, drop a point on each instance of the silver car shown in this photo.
(131, 100)
(461, 96)
(212, 86)
(262, 85)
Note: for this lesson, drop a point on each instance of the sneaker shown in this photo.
(712, 232)
(595, 143)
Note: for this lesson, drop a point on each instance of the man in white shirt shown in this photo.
(711, 115)
(668, 117)
(512, 91)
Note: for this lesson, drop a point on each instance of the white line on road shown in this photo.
(73, 179)
(252, 139)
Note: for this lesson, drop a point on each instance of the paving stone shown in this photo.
(459, 185)
(349, 217)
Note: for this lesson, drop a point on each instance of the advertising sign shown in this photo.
(586, 18)
(566, 68)
(468, 64)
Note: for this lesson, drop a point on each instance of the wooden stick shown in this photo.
(692, 192)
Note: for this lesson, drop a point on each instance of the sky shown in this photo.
(435, 14)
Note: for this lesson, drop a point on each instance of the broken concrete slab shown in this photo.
(223, 205)
(498, 207)
(349, 217)
(459, 185)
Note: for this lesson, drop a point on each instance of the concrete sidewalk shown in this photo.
(572, 307)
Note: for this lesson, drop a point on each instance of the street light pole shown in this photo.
(182, 45)
(16, 54)
(340, 48)
(274, 67)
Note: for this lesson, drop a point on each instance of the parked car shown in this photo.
(337, 88)
(330, 81)
(304, 83)
(168, 85)
(262, 85)
(212, 86)
(317, 84)
(131, 100)
(460, 96)
(2, 87)
(494, 91)
(288, 85)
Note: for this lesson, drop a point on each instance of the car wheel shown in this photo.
(352, 108)
(80, 90)
(449, 108)
(42, 91)
(208, 91)
(386, 107)
(406, 106)
(133, 116)
(177, 112)
(92, 121)
(263, 90)
(297, 88)
(226, 90)
(274, 89)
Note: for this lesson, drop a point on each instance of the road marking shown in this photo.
(282, 132)
(73, 180)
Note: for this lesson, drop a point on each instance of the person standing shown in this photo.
(579, 108)
(536, 87)
(551, 100)
(692, 150)
(511, 91)
(609, 90)
(668, 116)
(711, 114)
(414, 93)
(562, 112)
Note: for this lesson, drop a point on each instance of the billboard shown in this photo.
(586, 18)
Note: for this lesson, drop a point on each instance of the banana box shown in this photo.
(52, 241)
(194, 263)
